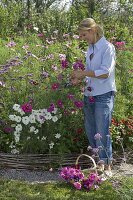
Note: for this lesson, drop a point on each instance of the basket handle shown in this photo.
(93, 161)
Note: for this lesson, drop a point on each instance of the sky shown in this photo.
(63, 2)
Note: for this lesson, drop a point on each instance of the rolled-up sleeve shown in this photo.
(108, 62)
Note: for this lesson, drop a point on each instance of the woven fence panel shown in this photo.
(46, 161)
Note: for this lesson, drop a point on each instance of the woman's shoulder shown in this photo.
(108, 45)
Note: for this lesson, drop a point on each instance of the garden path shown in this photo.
(53, 176)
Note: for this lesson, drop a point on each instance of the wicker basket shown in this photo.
(92, 169)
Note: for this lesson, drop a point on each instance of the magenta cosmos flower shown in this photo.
(27, 107)
(78, 65)
(55, 86)
(78, 104)
(77, 185)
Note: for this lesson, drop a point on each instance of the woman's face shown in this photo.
(87, 35)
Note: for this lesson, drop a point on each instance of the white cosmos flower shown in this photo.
(12, 117)
(51, 145)
(44, 111)
(18, 128)
(40, 118)
(36, 28)
(14, 151)
(57, 135)
(16, 107)
(54, 118)
(44, 138)
(34, 112)
(21, 111)
(32, 129)
(18, 119)
(17, 136)
(11, 145)
(32, 118)
(48, 116)
(36, 131)
(25, 120)
(28, 138)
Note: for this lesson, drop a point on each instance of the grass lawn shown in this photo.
(116, 189)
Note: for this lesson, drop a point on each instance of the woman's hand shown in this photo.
(75, 81)
(77, 74)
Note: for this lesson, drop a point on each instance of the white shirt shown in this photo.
(103, 62)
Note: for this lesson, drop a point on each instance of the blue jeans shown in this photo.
(97, 117)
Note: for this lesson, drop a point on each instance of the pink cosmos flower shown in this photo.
(78, 65)
(66, 112)
(54, 67)
(60, 103)
(8, 129)
(27, 107)
(55, 86)
(78, 104)
(40, 35)
(120, 45)
(77, 185)
(11, 44)
(51, 108)
(25, 47)
(64, 63)
(70, 96)
(76, 36)
(62, 56)
(60, 77)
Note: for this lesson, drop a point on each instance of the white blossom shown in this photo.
(21, 111)
(25, 120)
(32, 129)
(16, 107)
(12, 117)
(36, 28)
(18, 128)
(51, 145)
(54, 118)
(15, 151)
(32, 118)
(18, 119)
(16, 136)
(57, 135)
(44, 138)
(36, 131)
(48, 116)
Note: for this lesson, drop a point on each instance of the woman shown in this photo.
(99, 90)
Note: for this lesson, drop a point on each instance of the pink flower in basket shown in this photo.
(92, 181)
(77, 185)
(69, 174)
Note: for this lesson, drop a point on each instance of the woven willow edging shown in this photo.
(45, 161)
(38, 161)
